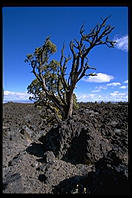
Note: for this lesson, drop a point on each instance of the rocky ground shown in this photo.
(85, 154)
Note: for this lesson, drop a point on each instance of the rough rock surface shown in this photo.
(85, 154)
(77, 143)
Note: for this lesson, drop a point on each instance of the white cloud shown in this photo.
(14, 96)
(115, 96)
(126, 81)
(114, 84)
(123, 87)
(96, 90)
(85, 97)
(115, 93)
(119, 96)
(99, 88)
(100, 78)
(122, 43)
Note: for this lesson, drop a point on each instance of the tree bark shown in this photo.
(68, 109)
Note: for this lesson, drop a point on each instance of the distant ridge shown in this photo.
(29, 101)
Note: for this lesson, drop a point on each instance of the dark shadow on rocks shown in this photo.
(109, 178)
(36, 149)
(51, 140)
(42, 178)
(73, 142)
(66, 186)
(41, 160)
(4, 186)
(66, 141)
(75, 153)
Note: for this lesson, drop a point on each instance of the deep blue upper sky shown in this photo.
(25, 28)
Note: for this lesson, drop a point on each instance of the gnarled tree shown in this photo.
(55, 90)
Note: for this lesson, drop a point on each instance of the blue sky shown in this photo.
(25, 28)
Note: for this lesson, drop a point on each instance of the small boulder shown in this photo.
(49, 157)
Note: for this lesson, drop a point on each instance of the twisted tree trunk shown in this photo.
(70, 106)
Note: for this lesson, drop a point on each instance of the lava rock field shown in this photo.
(86, 154)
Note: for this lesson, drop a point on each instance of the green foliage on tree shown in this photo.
(35, 89)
